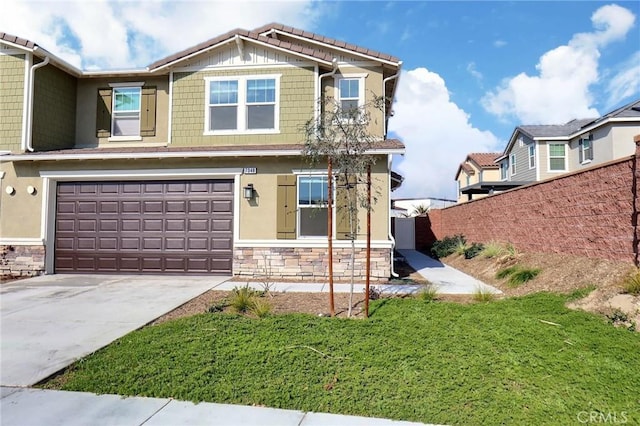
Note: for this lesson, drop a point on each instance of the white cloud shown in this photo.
(437, 134)
(133, 34)
(471, 69)
(499, 43)
(626, 82)
(562, 89)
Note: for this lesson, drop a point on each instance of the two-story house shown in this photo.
(479, 175)
(538, 152)
(191, 165)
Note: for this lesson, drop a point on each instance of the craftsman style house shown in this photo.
(539, 152)
(191, 165)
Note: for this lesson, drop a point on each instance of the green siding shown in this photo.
(54, 109)
(12, 68)
(296, 107)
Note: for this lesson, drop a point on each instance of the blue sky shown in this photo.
(472, 71)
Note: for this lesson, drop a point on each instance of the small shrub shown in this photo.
(521, 276)
(260, 307)
(460, 248)
(505, 272)
(483, 295)
(447, 246)
(242, 298)
(580, 293)
(492, 250)
(218, 306)
(429, 293)
(631, 284)
(617, 316)
(511, 250)
(374, 293)
(473, 250)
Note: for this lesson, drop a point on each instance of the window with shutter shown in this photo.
(125, 112)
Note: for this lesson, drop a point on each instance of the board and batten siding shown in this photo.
(188, 111)
(12, 72)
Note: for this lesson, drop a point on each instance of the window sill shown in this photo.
(241, 132)
(586, 162)
(557, 171)
(124, 138)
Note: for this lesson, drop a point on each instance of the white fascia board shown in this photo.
(245, 67)
(161, 155)
(311, 243)
(341, 49)
(139, 174)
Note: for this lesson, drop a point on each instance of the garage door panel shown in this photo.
(145, 226)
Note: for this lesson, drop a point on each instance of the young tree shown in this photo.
(342, 137)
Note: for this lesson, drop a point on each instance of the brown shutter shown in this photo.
(286, 207)
(103, 113)
(343, 229)
(148, 112)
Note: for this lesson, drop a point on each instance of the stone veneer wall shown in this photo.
(308, 264)
(21, 261)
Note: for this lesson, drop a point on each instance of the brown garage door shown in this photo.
(145, 226)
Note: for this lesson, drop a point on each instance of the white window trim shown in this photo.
(533, 144)
(131, 138)
(581, 149)
(513, 164)
(504, 162)
(242, 106)
(361, 86)
(549, 157)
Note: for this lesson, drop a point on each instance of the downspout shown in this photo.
(394, 274)
(334, 63)
(393, 95)
(32, 74)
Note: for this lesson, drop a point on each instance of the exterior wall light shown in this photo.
(31, 190)
(10, 190)
(248, 192)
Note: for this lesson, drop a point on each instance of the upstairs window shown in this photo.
(504, 168)
(350, 95)
(513, 164)
(586, 149)
(312, 206)
(242, 105)
(532, 156)
(557, 157)
(126, 111)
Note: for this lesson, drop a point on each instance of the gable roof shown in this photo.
(244, 34)
(276, 27)
(573, 128)
(485, 160)
(30, 46)
(23, 42)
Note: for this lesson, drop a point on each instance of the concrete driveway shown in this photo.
(48, 322)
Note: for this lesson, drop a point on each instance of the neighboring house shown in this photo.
(479, 175)
(191, 165)
(539, 152)
(406, 207)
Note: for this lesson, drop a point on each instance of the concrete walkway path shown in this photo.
(448, 280)
(286, 287)
(35, 407)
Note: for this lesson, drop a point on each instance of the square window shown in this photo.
(557, 157)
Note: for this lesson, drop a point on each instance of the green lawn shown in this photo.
(493, 363)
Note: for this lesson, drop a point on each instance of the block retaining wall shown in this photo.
(592, 213)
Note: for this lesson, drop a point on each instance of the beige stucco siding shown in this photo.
(87, 102)
(623, 134)
(189, 107)
(54, 109)
(12, 74)
(20, 213)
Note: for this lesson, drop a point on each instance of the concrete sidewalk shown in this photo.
(286, 287)
(35, 407)
(446, 279)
